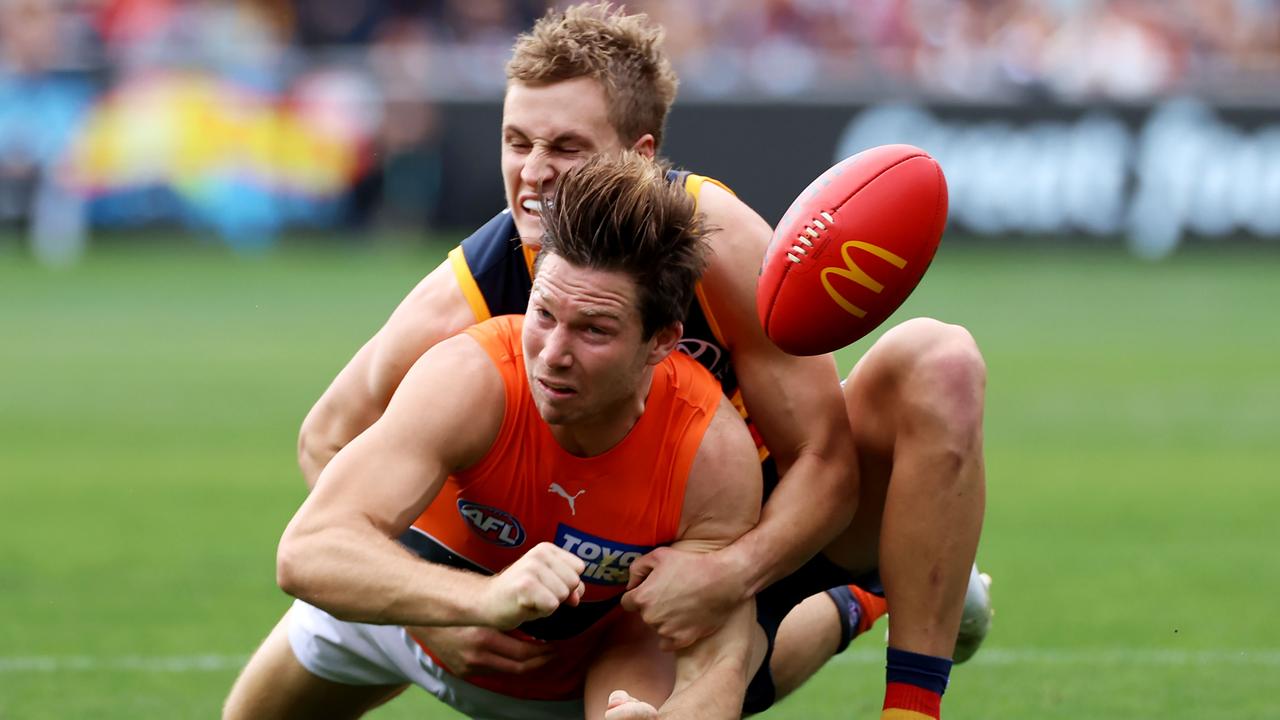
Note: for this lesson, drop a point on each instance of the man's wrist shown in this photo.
(738, 564)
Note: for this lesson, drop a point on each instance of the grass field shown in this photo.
(149, 401)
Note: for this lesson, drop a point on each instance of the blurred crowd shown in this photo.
(298, 99)
(1073, 49)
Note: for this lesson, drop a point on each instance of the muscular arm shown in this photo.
(339, 551)
(722, 501)
(433, 311)
(798, 409)
(795, 403)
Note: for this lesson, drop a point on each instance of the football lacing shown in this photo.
(809, 230)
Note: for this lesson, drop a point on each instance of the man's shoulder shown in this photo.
(492, 241)
(690, 380)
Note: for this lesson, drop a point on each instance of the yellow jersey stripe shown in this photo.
(693, 186)
(467, 283)
(529, 255)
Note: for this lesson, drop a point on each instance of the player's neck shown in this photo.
(599, 433)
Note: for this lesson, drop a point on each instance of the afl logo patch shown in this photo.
(491, 524)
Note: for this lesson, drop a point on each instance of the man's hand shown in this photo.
(624, 707)
(684, 596)
(467, 651)
(532, 587)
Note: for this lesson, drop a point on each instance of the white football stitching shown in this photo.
(811, 233)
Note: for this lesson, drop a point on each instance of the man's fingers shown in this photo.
(524, 666)
(500, 664)
(624, 707)
(563, 571)
(518, 650)
(576, 596)
(555, 555)
(618, 697)
(640, 569)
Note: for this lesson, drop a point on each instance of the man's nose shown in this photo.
(538, 171)
(556, 352)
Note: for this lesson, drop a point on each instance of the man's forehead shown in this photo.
(588, 292)
(560, 108)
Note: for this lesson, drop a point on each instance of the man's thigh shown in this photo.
(275, 685)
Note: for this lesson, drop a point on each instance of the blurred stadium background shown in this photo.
(205, 207)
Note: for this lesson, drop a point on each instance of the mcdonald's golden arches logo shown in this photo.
(852, 272)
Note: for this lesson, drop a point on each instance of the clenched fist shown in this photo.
(684, 596)
(532, 587)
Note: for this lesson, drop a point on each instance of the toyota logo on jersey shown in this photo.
(608, 561)
(707, 354)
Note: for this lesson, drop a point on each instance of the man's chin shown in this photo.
(551, 412)
(528, 228)
(555, 417)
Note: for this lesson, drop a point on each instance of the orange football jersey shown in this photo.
(608, 510)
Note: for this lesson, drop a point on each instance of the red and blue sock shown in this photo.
(914, 684)
(859, 610)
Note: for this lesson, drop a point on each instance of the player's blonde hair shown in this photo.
(620, 214)
(623, 52)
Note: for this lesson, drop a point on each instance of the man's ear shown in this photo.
(646, 146)
(664, 341)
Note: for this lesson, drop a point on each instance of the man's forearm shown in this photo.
(813, 502)
(313, 455)
(324, 432)
(364, 577)
(712, 675)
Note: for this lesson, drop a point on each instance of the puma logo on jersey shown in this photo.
(555, 488)
(608, 561)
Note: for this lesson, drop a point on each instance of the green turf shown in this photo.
(149, 401)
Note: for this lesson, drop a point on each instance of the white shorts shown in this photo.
(361, 654)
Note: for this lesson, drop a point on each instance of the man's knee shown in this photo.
(930, 373)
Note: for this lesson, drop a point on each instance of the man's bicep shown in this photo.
(392, 471)
(722, 496)
(795, 402)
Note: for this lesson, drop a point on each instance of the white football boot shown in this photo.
(976, 620)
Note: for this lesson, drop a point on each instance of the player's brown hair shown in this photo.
(620, 213)
(623, 52)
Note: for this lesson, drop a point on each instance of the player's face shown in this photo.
(583, 350)
(547, 129)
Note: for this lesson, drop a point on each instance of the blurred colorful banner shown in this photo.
(189, 147)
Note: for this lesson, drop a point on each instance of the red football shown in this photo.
(851, 248)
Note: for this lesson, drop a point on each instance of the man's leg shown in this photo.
(915, 404)
(808, 637)
(275, 685)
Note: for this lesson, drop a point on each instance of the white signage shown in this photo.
(1184, 170)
